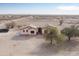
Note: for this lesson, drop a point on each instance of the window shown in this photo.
(32, 32)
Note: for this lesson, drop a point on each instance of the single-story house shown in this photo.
(32, 30)
(28, 30)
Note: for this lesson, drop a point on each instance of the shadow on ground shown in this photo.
(45, 49)
(49, 50)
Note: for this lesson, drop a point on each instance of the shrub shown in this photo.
(10, 25)
(70, 32)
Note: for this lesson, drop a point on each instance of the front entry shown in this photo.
(39, 30)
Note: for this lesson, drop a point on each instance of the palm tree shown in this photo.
(71, 32)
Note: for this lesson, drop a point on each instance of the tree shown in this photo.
(60, 21)
(52, 34)
(71, 32)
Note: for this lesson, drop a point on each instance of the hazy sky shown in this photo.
(39, 8)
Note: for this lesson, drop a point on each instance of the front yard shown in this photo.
(11, 44)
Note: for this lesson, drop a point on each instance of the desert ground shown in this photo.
(12, 44)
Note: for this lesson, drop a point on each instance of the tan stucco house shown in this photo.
(28, 30)
(32, 30)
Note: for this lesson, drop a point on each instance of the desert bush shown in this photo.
(10, 25)
(18, 26)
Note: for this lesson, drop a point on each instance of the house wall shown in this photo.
(28, 32)
(43, 30)
(21, 32)
(35, 32)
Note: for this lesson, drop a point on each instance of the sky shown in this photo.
(39, 8)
